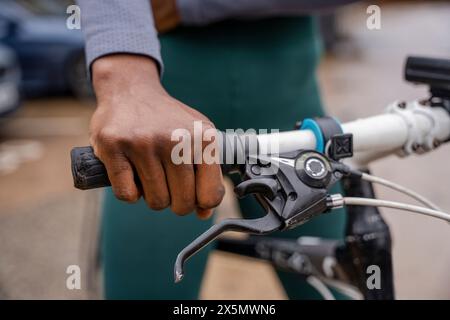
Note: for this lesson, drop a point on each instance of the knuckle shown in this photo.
(212, 199)
(107, 138)
(207, 125)
(187, 197)
(139, 139)
(138, 136)
(184, 203)
(133, 199)
(126, 195)
(181, 210)
(157, 203)
(106, 134)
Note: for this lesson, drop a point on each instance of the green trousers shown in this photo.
(252, 74)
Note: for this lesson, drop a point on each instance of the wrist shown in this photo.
(112, 74)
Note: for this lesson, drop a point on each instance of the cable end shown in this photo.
(347, 171)
(335, 201)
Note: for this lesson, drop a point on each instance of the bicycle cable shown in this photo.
(346, 290)
(337, 201)
(320, 287)
(401, 189)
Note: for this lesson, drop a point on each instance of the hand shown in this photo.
(131, 133)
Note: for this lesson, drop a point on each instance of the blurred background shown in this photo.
(45, 106)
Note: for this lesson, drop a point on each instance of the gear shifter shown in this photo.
(292, 188)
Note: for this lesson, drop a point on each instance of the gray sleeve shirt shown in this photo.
(127, 26)
(118, 26)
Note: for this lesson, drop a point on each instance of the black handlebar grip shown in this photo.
(89, 172)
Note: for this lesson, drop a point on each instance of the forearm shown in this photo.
(202, 12)
(118, 26)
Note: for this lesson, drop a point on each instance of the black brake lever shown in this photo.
(292, 188)
(260, 226)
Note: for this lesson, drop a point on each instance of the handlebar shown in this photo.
(90, 173)
(409, 127)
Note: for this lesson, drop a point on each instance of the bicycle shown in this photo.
(293, 187)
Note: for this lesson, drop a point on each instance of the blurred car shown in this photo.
(9, 81)
(51, 56)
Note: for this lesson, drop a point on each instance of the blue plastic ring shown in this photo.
(310, 124)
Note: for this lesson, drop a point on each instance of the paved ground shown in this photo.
(45, 224)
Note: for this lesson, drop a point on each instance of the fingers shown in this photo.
(162, 182)
(181, 181)
(153, 181)
(121, 175)
(209, 188)
(204, 214)
(209, 181)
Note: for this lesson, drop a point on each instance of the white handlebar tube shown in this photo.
(378, 136)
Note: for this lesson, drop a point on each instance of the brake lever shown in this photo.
(260, 226)
(292, 188)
